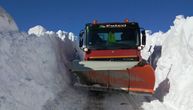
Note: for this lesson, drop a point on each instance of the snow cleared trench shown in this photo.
(34, 76)
(34, 73)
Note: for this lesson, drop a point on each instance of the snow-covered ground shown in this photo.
(34, 73)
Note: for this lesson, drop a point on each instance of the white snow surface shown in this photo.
(33, 68)
(33, 72)
(7, 23)
(37, 30)
(40, 31)
(175, 67)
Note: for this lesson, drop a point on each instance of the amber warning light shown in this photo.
(126, 20)
(94, 21)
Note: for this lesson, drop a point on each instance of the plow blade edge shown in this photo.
(124, 76)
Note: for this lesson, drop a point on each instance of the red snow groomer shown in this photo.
(110, 58)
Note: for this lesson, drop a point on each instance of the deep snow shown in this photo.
(175, 67)
(34, 73)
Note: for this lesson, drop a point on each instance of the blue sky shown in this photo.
(71, 15)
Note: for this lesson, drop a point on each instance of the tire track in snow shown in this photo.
(135, 104)
(95, 101)
(114, 101)
(67, 100)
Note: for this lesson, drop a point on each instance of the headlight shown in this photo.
(140, 47)
(86, 49)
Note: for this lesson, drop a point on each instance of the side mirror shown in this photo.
(81, 42)
(81, 38)
(143, 37)
(81, 33)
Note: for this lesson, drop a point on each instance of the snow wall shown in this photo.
(33, 68)
(33, 71)
(174, 69)
(6, 22)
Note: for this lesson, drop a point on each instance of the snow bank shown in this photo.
(7, 23)
(33, 68)
(175, 67)
(33, 72)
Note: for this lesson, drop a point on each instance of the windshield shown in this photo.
(113, 38)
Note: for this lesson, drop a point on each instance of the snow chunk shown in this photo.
(41, 31)
(153, 40)
(62, 34)
(7, 23)
(37, 30)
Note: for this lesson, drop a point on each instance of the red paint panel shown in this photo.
(112, 53)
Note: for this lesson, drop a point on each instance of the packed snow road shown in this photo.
(114, 101)
(121, 101)
(95, 101)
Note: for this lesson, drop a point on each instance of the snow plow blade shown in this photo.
(114, 76)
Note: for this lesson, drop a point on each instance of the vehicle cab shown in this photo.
(120, 41)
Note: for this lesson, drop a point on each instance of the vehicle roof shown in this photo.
(133, 24)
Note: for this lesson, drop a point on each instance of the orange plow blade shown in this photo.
(136, 79)
(142, 79)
